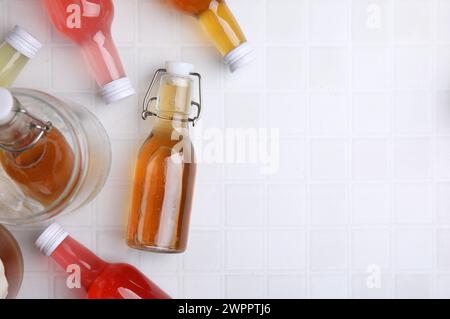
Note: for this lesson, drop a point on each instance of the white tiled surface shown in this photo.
(360, 92)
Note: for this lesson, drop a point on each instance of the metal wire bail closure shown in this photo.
(149, 100)
(38, 125)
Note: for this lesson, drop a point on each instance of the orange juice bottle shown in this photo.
(219, 23)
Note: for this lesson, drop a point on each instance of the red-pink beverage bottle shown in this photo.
(88, 24)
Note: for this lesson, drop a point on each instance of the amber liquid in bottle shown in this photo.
(42, 172)
(217, 20)
(165, 176)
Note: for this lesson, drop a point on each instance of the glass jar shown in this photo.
(91, 149)
(11, 256)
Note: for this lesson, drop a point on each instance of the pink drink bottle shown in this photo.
(88, 24)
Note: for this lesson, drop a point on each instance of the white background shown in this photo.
(360, 91)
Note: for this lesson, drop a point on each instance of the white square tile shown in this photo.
(413, 249)
(150, 30)
(443, 286)
(442, 112)
(292, 11)
(443, 20)
(248, 14)
(204, 251)
(329, 114)
(111, 247)
(123, 30)
(328, 69)
(372, 21)
(442, 202)
(443, 158)
(159, 263)
(114, 205)
(412, 112)
(372, 113)
(370, 247)
(329, 249)
(363, 289)
(372, 68)
(287, 205)
(371, 203)
(443, 249)
(329, 159)
(244, 205)
(208, 205)
(412, 158)
(329, 286)
(413, 67)
(82, 217)
(328, 20)
(329, 204)
(285, 159)
(442, 65)
(413, 286)
(80, 77)
(244, 286)
(287, 113)
(413, 203)
(244, 250)
(287, 287)
(413, 20)
(371, 159)
(124, 154)
(286, 249)
(30, 15)
(29, 285)
(249, 108)
(286, 68)
(202, 287)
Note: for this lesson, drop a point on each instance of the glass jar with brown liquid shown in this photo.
(54, 156)
(222, 27)
(165, 171)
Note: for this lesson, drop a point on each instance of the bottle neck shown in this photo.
(103, 58)
(222, 27)
(18, 133)
(77, 259)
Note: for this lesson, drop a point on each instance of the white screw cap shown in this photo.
(50, 239)
(179, 68)
(23, 42)
(239, 57)
(6, 106)
(117, 90)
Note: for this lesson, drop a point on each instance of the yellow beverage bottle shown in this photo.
(222, 27)
(15, 52)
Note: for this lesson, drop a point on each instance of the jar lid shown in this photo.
(179, 68)
(6, 106)
(23, 42)
(117, 90)
(51, 238)
(240, 56)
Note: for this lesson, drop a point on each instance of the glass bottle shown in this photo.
(15, 52)
(88, 24)
(165, 171)
(222, 28)
(100, 280)
(55, 156)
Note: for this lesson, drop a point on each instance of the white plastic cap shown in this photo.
(179, 68)
(50, 239)
(6, 106)
(117, 90)
(23, 42)
(240, 56)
